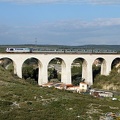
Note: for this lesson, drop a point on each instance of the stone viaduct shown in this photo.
(67, 60)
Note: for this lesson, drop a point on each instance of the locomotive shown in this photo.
(18, 50)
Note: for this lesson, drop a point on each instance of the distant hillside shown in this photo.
(112, 47)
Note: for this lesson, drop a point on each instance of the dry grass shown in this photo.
(20, 100)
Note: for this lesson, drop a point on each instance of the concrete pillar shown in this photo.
(43, 74)
(108, 67)
(84, 70)
(63, 72)
(103, 68)
(15, 68)
(66, 72)
(18, 69)
(39, 74)
(89, 74)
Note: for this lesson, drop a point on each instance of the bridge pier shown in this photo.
(89, 78)
(87, 72)
(108, 66)
(103, 68)
(43, 74)
(18, 69)
(66, 73)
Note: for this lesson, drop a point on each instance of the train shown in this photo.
(59, 50)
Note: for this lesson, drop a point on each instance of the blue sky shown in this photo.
(60, 22)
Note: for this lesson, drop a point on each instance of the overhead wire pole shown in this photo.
(36, 42)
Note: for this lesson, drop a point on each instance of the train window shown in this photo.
(18, 48)
(11, 49)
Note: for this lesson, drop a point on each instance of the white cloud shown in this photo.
(64, 1)
(104, 1)
(70, 32)
(79, 24)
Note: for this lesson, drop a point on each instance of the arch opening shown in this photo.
(115, 63)
(98, 67)
(8, 64)
(55, 69)
(115, 66)
(78, 71)
(30, 70)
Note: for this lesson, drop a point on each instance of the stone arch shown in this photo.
(115, 63)
(6, 62)
(59, 67)
(35, 65)
(81, 63)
